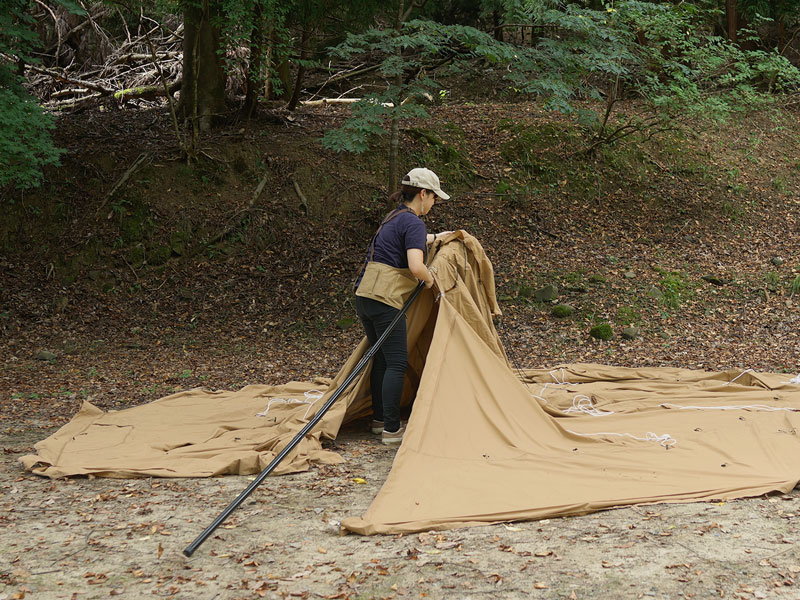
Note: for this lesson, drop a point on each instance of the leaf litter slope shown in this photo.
(625, 235)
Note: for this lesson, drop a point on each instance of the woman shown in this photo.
(395, 264)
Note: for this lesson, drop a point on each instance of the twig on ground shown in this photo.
(140, 160)
(260, 187)
(303, 201)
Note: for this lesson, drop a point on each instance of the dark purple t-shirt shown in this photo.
(403, 232)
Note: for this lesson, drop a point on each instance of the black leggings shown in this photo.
(389, 363)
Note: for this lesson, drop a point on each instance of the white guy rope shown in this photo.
(665, 440)
(557, 382)
(312, 394)
(311, 397)
(583, 404)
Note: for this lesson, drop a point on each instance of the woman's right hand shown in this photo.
(430, 283)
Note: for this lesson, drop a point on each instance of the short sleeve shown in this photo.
(415, 234)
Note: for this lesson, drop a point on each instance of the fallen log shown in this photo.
(147, 92)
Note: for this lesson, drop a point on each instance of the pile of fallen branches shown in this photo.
(102, 57)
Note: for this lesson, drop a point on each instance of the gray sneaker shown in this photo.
(377, 426)
(393, 438)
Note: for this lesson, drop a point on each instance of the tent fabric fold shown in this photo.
(488, 448)
(484, 443)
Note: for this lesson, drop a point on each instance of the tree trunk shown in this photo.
(497, 30)
(203, 91)
(256, 65)
(732, 20)
(394, 142)
(301, 69)
(394, 135)
(281, 64)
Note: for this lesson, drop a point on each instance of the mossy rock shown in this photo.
(714, 280)
(597, 279)
(546, 294)
(345, 323)
(159, 255)
(179, 242)
(68, 278)
(562, 311)
(131, 229)
(525, 291)
(601, 331)
(136, 256)
(631, 333)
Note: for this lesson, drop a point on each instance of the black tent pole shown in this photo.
(189, 550)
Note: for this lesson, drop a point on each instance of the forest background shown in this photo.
(188, 189)
(172, 170)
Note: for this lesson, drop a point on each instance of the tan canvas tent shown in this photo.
(484, 444)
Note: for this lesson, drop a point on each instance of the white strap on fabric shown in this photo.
(665, 440)
(795, 380)
(739, 375)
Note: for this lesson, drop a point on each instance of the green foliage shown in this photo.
(676, 289)
(25, 142)
(795, 285)
(405, 57)
(765, 10)
(771, 279)
(628, 315)
(661, 53)
(366, 123)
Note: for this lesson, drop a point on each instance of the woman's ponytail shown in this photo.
(405, 195)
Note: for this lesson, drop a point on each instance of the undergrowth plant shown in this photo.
(26, 144)
(660, 53)
(676, 289)
(795, 285)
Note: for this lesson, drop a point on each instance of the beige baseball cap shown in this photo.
(425, 179)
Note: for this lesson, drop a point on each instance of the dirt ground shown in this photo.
(98, 538)
(726, 211)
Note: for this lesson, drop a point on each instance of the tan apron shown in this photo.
(383, 282)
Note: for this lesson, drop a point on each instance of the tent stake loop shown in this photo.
(190, 549)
